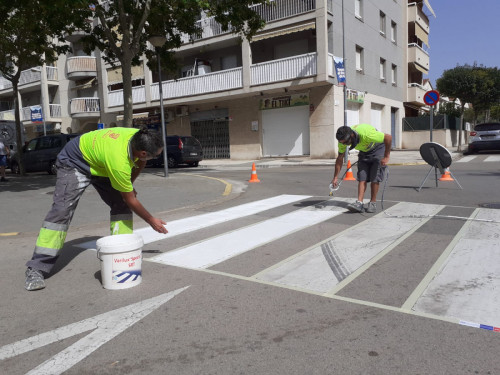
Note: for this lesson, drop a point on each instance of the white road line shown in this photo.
(104, 327)
(332, 264)
(193, 223)
(220, 248)
(468, 283)
(466, 159)
(493, 158)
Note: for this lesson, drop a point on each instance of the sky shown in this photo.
(463, 32)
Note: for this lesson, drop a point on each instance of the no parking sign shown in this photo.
(431, 98)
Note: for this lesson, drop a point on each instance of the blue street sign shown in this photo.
(431, 98)
(100, 126)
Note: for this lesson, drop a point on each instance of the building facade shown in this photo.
(277, 95)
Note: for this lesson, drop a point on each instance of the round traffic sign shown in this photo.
(431, 97)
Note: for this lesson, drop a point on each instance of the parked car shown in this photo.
(40, 153)
(485, 136)
(180, 150)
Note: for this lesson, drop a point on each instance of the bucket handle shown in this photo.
(98, 255)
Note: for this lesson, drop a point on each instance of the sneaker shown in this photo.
(355, 207)
(372, 207)
(34, 279)
(3, 179)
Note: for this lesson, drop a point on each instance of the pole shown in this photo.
(43, 118)
(345, 81)
(163, 131)
(431, 125)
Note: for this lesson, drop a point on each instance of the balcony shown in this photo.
(290, 68)
(85, 108)
(416, 94)
(54, 114)
(419, 57)
(80, 67)
(416, 15)
(276, 10)
(31, 78)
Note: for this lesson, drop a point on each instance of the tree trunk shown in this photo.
(128, 105)
(460, 128)
(19, 127)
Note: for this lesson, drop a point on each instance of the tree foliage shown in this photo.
(32, 34)
(477, 85)
(124, 27)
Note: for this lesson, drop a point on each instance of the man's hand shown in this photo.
(158, 225)
(335, 182)
(384, 161)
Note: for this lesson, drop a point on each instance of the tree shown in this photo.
(477, 85)
(124, 27)
(32, 34)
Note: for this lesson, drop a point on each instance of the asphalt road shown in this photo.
(273, 278)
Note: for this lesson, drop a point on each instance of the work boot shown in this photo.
(34, 279)
(372, 207)
(355, 207)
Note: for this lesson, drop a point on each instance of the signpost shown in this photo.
(431, 98)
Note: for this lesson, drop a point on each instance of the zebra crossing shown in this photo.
(462, 286)
(469, 158)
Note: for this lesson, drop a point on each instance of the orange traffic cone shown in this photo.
(253, 177)
(348, 175)
(446, 176)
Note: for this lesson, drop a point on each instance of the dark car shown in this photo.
(484, 137)
(40, 153)
(181, 149)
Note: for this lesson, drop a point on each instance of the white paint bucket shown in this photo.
(121, 260)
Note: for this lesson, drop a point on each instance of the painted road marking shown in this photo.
(193, 223)
(494, 158)
(330, 265)
(466, 159)
(467, 284)
(105, 327)
(220, 248)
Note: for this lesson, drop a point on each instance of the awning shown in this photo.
(289, 30)
(420, 68)
(426, 2)
(115, 75)
(421, 34)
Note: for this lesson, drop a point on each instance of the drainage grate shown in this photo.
(490, 205)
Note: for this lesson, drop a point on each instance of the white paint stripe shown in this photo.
(220, 248)
(351, 250)
(468, 283)
(466, 159)
(193, 223)
(106, 326)
(493, 158)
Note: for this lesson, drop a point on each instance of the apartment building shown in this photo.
(277, 95)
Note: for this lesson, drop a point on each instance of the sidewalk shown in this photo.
(398, 157)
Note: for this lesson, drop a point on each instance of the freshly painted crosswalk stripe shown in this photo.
(466, 159)
(324, 266)
(220, 248)
(493, 158)
(193, 223)
(467, 285)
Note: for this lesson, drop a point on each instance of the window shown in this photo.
(358, 9)
(359, 59)
(382, 70)
(394, 74)
(382, 23)
(393, 31)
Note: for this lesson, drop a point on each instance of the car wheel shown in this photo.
(172, 163)
(52, 168)
(14, 168)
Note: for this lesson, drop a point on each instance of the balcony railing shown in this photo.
(416, 93)
(294, 67)
(7, 115)
(284, 69)
(417, 55)
(55, 110)
(416, 15)
(81, 64)
(84, 106)
(276, 10)
(31, 75)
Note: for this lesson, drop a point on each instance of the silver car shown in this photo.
(484, 137)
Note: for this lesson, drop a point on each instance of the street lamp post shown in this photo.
(158, 41)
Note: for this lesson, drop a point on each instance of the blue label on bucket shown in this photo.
(126, 276)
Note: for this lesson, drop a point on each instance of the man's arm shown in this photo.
(137, 170)
(138, 208)
(388, 145)
(338, 167)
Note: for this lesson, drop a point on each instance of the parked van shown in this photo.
(40, 153)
